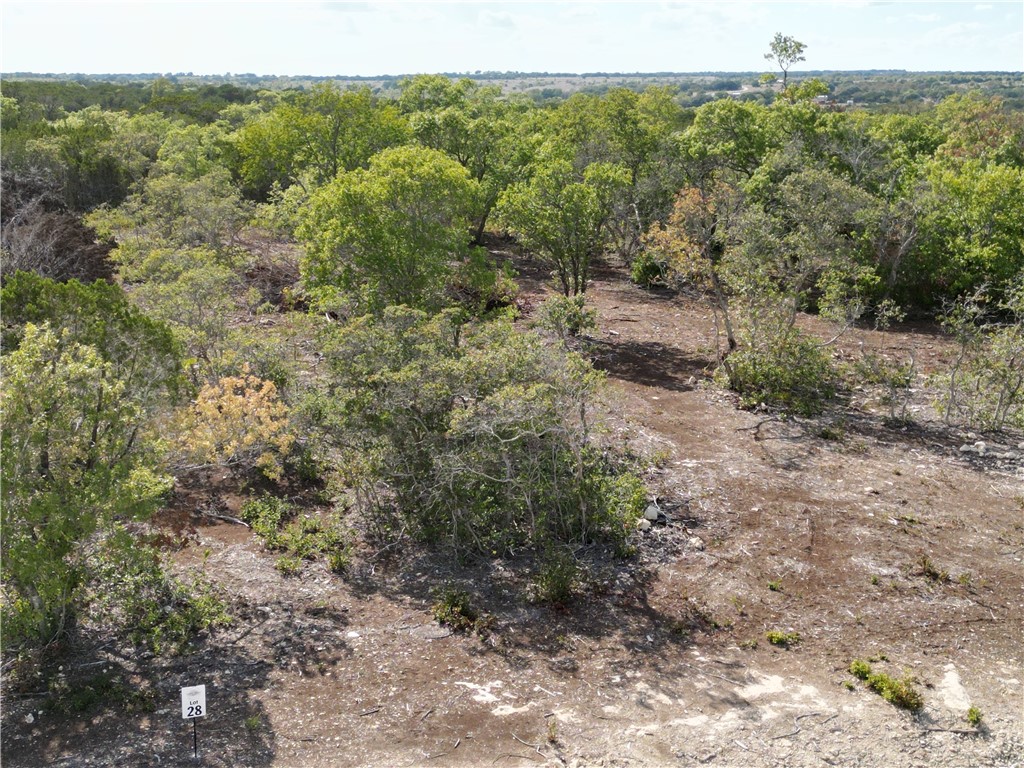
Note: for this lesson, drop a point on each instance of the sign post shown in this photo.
(193, 706)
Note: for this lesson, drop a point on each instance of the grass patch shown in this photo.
(783, 639)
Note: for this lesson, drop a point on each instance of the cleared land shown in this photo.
(867, 541)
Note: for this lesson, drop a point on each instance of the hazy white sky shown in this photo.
(369, 38)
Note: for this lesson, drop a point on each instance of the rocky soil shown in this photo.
(904, 545)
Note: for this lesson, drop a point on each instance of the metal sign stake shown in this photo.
(193, 706)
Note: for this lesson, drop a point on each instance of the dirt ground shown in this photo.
(868, 541)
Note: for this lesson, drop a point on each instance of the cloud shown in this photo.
(349, 7)
(499, 19)
(925, 17)
(983, 7)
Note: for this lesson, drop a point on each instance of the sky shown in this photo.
(375, 38)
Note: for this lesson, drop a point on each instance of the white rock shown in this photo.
(695, 543)
(643, 525)
(980, 447)
(652, 512)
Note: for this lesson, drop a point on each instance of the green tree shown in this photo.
(562, 217)
(176, 210)
(318, 134)
(143, 352)
(74, 461)
(806, 246)
(389, 234)
(728, 135)
(480, 436)
(972, 228)
(785, 52)
(473, 125)
(84, 373)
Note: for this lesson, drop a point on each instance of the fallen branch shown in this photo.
(531, 746)
(756, 429)
(369, 712)
(965, 731)
(512, 754)
(442, 754)
(225, 518)
(797, 719)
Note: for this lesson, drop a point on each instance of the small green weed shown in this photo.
(739, 605)
(832, 432)
(775, 586)
(82, 695)
(974, 716)
(552, 730)
(783, 639)
(288, 565)
(849, 685)
(749, 645)
(928, 569)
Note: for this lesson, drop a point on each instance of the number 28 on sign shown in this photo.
(193, 702)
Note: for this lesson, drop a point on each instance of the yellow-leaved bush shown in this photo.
(238, 421)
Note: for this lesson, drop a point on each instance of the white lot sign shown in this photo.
(193, 702)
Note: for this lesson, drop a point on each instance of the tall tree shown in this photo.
(563, 217)
(785, 52)
(391, 233)
(84, 372)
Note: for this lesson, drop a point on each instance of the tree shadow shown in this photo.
(649, 363)
(137, 720)
(611, 605)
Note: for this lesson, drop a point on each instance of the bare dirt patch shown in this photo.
(866, 541)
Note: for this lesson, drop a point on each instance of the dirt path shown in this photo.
(867, 542)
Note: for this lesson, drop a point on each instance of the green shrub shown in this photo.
(265, 515)
(860, 669)
(479, 436)
(984, 387)
(783, 639)
(134, 594)
(340, 559)
(288, 565)
(481, 288)
(792, 373)
(648, 270)
(453, 609)
(900, 693)
(566, 316)
(557, 578)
